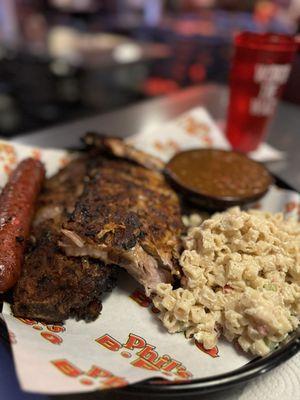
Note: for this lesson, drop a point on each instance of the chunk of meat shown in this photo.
(119, 148)
(53, 286)
(129, 216)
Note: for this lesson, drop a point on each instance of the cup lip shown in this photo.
(267, 41)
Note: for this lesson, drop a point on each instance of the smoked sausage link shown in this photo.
(17, 204)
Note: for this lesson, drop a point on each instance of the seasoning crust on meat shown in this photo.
(53, 286)
(127, 215)
(110, 207)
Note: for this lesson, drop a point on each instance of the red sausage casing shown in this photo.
(17, 203)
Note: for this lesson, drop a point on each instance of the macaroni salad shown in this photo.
(241, 278)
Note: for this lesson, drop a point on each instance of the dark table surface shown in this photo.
(283, 135)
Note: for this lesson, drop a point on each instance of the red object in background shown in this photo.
(197, 73)
(156, 86)
(260, 69)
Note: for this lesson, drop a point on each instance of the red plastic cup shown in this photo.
(260, 69)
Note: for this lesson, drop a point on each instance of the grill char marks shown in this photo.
(54, 286)
(129, 216)
(100, 210)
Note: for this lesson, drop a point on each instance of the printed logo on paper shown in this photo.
(143, 355)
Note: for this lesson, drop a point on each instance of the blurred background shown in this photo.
(62, 60)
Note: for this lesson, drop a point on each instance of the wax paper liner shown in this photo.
(127, 343)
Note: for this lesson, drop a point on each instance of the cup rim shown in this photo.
(266, 41)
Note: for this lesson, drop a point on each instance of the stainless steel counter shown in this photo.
(284, 130)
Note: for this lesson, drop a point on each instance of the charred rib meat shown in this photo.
(110, 207)
(129, 216)
(54, 286)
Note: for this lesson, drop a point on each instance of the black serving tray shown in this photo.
(155, 388)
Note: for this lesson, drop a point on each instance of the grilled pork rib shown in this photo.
(126, 215)
(118, 148)
(54, 286)
(103, 209)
